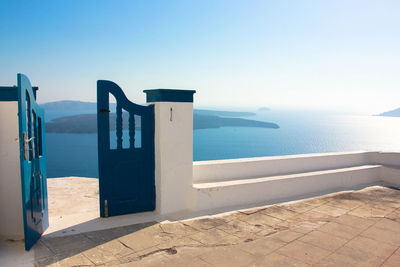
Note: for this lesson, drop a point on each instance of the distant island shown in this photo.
(91, 107)
(223, 113)
(264, 109)
(391, 113)
(87, 123)
(70, 116)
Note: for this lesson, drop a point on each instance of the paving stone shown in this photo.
(155, 260)
(393, 260)
(323, 240)
(355, 221)
(363, 249)
(262, 246)
(139, 226)
(75, 260)
(279, 212)
(191, 252)
(205, 223)
(129, 258)
(186, 261)
(260, 219)
(306, 227)
(317, 201)
(99, 256)
(315, 216)
(40, 250)
(212, 236)
(330, 210)
(275, 259)
(267, 231)
(298, 207)
(340, 230)
(347, 204)
(252, 210)
(287, 236)
(71, 245)
(394, 215)
(228, 256)
(102, 236)
(116, 248)
(368, 211)
(144, 239)
(335, 260)
(388, 224)
(179, 242)
(304, 252)
(178, 229)
(235, 226)
(383, 235)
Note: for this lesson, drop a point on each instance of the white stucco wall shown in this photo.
(173, 155)
(11, 225)
(232, 169)
(231, 184)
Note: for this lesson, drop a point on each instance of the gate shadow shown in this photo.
(56, 247)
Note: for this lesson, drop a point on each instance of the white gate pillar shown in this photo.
(173, 113)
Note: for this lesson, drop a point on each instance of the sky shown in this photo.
(339, 55)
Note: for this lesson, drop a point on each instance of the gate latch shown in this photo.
(102, 111)
(106, 208)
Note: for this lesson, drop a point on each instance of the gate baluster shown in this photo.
(132, 128)
(119, 126)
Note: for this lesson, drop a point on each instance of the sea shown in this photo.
(300, 132)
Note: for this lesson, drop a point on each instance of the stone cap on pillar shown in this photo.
(169, 95)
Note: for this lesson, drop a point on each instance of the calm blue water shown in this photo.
(300, 132)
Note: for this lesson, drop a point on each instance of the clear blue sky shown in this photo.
(330, 54)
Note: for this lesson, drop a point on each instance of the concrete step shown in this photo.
(273, 189)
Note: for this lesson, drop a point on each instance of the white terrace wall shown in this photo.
(244, 168)
(231, 184)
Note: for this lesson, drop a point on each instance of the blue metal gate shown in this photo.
(126, 162)
(33, 163)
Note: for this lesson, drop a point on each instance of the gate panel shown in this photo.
(33, 163)
(126, 171)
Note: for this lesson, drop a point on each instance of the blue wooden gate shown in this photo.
(33, 163)
(126, 160)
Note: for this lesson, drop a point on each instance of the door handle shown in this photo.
(25, 147)
(26, 141)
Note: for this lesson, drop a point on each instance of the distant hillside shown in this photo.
(264, 109)
(71, 107)
(87, 123)
(80, 117)
(67, 105)
(223, 113)
(391, 113)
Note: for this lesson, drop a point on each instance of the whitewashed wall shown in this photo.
(231, 184)
(11, 224)
(232, 169)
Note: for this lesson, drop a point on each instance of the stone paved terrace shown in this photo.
(352, 228)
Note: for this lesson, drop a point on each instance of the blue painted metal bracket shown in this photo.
(169, 95)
